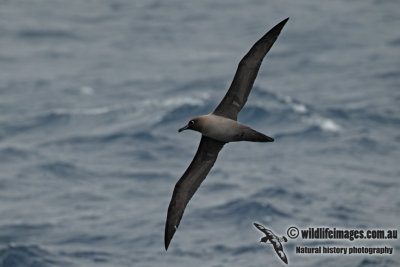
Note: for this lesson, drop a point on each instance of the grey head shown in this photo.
(195, 124)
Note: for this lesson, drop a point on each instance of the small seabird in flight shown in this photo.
(274, 240)
(218, 128)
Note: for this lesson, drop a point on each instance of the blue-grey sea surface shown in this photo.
(92, 94)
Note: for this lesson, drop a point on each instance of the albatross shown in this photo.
(218, 128)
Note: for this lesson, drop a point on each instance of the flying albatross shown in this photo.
(219, 128)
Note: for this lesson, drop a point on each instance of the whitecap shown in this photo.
(180, 101)
(324, 124)
(296, 107)
(174, 102)
(86, 90)
(88, 111)
(299, 108)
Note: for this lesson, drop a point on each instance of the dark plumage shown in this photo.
(219, 128)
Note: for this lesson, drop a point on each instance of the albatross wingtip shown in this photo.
(282, 23)
(275, 31)
(167, 240)
(169, 233)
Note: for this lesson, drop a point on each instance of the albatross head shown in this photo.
(194, 124)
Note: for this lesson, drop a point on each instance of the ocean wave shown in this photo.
(377, 261)
(216, 187)
(183, 112)
(283, 194)
(142, 154)
(12, 232)
(236, 250)
(51, 119)
(142, 175)
(310, 115)
(83, 238)
(197, 99)
(365, 115)
(60, 169)
(86, 90)
(325, 124)
(388, 74)
(368, 144)
(83, 111)
(242, 209)
(199, 85)
(27, 256)
(296, 106)
(254, 113)
(395, 41)
(343, 213)
(155, 112)
(11, 153)
(24, 126)
(310, 131)
(94, 18)
(288, 110)
(121, 136)
(380, 184)
(94, 256)
(57, 34)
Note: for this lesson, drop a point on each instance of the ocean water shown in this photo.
(92, 94)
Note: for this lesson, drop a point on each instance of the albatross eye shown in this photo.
(191, 122)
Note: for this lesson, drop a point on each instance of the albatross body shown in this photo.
(225, 130)
(218, 128)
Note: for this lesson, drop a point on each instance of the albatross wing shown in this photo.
(246, 73)
(197, 171)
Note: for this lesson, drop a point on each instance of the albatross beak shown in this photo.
(183, 128)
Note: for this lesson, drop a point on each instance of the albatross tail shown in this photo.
(254, 136)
